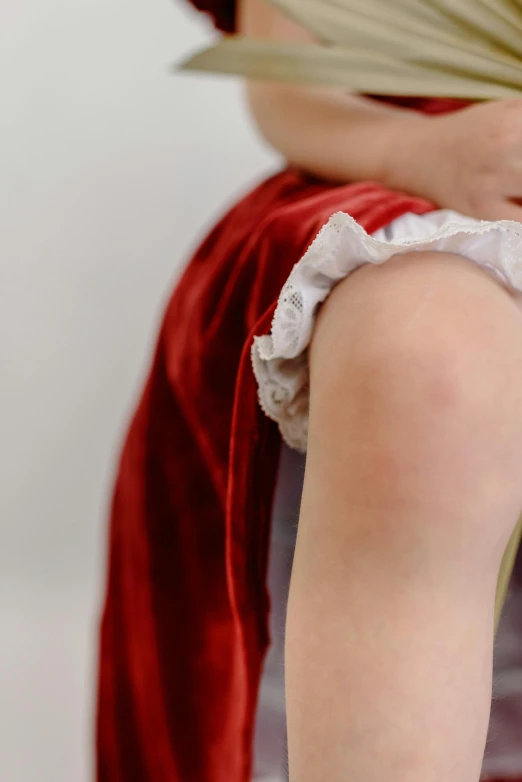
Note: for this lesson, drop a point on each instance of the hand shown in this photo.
(469, 160)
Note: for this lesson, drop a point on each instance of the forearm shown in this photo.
(336, 136)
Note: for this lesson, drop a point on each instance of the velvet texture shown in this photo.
(184, 626)
(184, 629)
(181, 653)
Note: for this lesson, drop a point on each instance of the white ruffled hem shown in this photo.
(280, 359)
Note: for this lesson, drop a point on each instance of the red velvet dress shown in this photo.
(184, 627)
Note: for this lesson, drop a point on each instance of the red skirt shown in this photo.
(184, 627)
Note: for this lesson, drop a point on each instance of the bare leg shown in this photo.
(413, 486)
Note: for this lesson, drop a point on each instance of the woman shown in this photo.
(405, 391)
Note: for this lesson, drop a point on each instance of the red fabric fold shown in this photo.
(184, 627)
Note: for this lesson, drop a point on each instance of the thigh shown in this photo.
(416, 402)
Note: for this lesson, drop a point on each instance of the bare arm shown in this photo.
(469, 161)
(324, 131)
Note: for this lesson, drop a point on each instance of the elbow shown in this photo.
(265, 102)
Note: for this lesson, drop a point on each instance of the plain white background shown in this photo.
(111, 168)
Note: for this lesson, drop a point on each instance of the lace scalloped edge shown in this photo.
(279, 360)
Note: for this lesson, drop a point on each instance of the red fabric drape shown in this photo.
(180, 653)
(184, 626)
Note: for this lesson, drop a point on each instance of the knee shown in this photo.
(425, 329)
(421, 360)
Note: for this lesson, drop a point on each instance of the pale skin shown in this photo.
(470, 161)
(413, 480)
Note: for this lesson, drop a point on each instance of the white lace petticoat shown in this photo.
(342, 245)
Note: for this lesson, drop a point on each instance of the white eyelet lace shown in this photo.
(280, 359)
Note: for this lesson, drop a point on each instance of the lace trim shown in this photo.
(342, 245)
